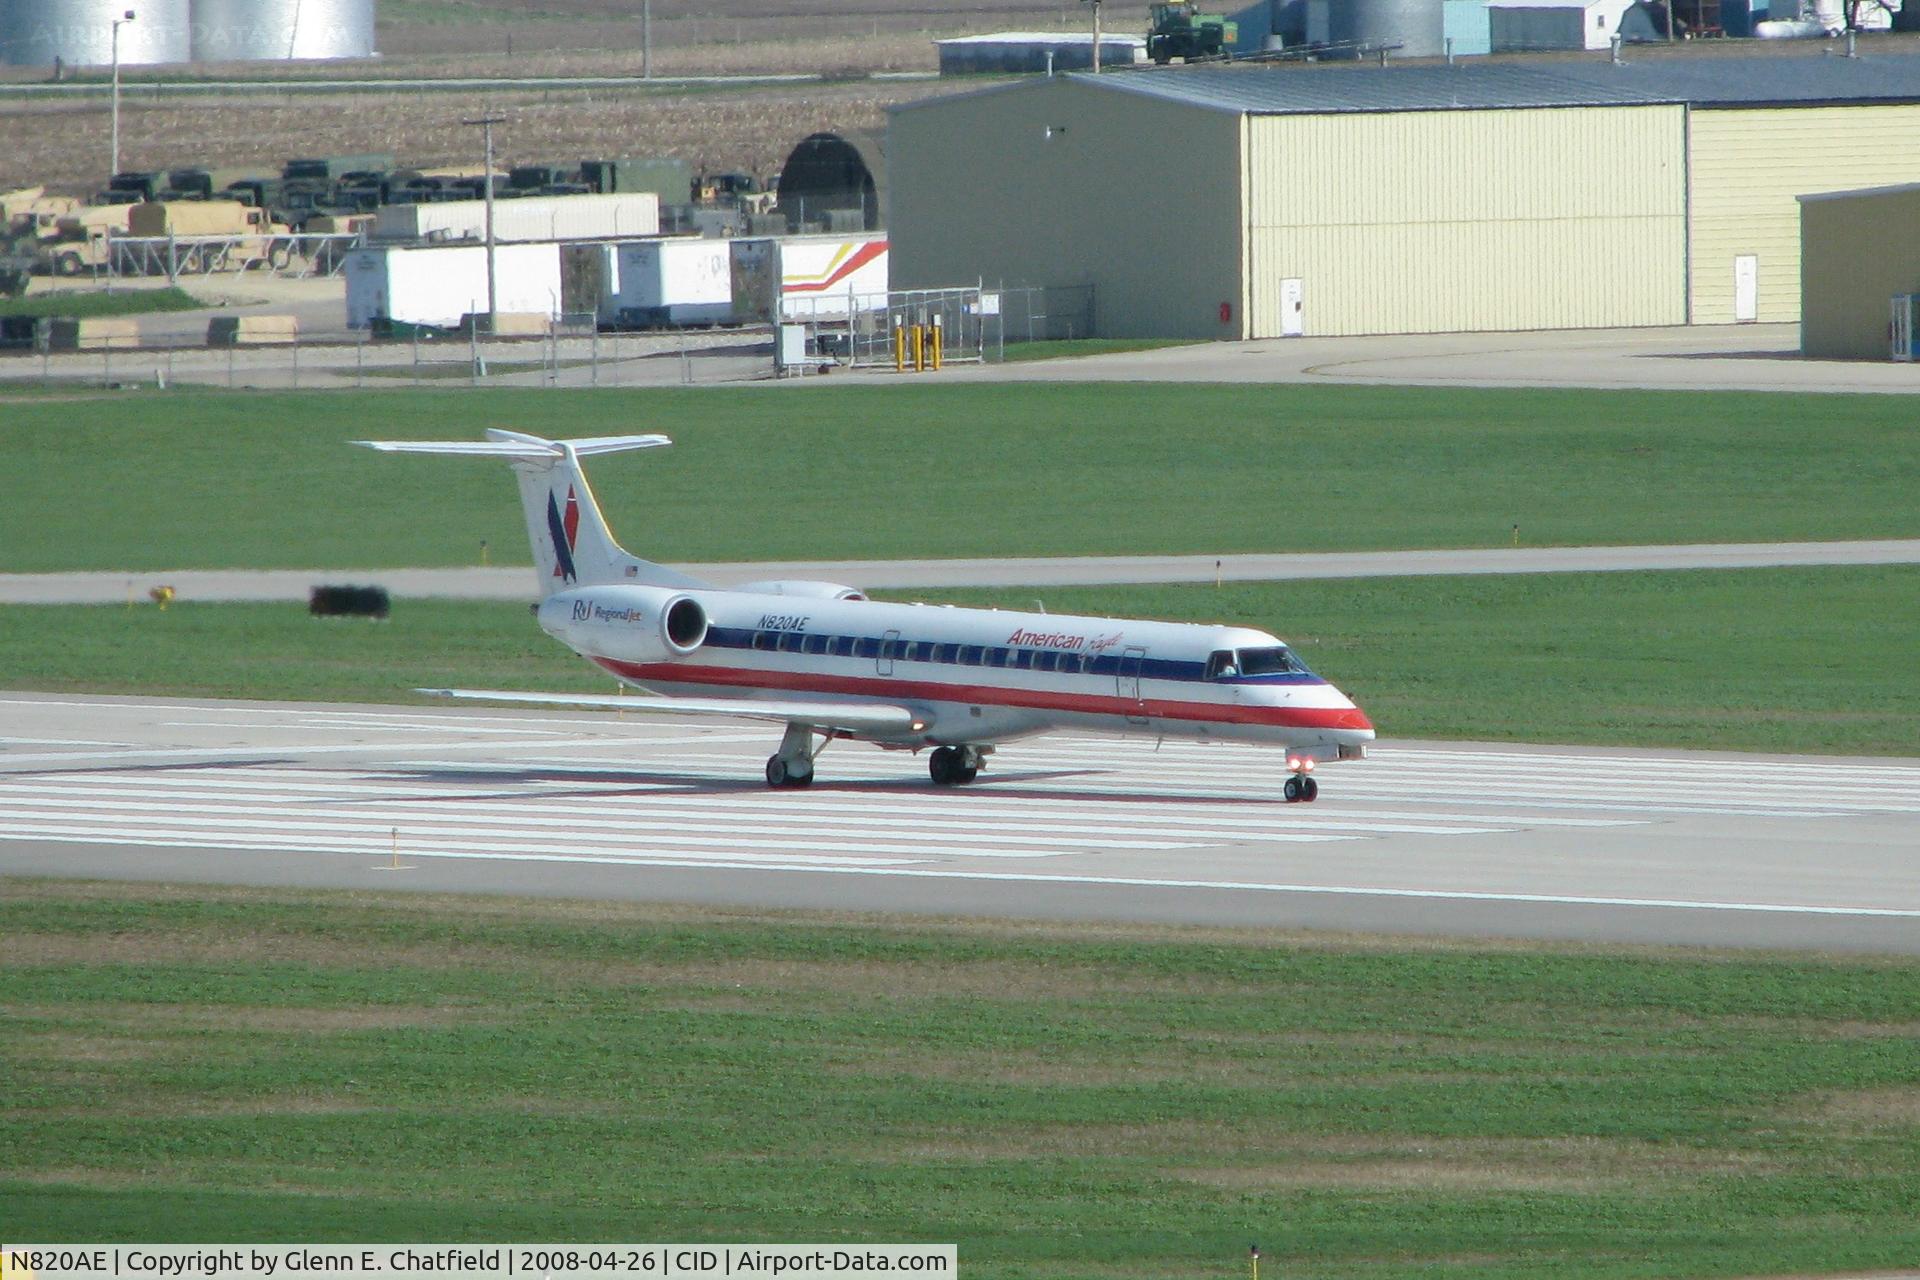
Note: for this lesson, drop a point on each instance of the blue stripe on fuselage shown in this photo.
(867, 648)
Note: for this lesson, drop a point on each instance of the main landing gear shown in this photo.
(955, 766)
(792, 765)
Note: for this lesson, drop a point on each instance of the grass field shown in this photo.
(160, 482)
(1053, 349)
(206, 1064)
(1768, 660)
(84, 303)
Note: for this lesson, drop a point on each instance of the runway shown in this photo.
(1427, 838)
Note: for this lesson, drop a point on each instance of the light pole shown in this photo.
(646, 39)
(115, 166)
(487, 123)
(1096, 37)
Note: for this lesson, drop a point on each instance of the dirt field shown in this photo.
(747, 128)
(750, 130)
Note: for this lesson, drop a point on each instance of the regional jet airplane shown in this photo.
(828, 663)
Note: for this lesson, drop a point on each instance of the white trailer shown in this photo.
(439, 284)
(667, 282)
(529, 218)
(829, 277)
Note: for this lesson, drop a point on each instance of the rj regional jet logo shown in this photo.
(565, 532)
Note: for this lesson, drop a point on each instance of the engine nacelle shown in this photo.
(802, 587)
(637, 624)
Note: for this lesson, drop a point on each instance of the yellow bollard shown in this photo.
(919, 348)
(899, 348)
(937, 333)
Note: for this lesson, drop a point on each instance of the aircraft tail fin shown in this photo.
(572, 545)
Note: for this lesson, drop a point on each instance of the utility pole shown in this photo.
(487, 123)
(1096, 37)
(114, 165)
(646, 39)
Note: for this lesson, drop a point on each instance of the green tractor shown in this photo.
(1176, 31)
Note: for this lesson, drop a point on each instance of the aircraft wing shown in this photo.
(854, 717)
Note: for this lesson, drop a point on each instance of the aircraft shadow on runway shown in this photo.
(1025, 785)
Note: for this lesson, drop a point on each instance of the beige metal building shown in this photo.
(1857, 250)
(1261, 202)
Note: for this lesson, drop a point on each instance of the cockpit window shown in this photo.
(1221, 665)
(1278, 660)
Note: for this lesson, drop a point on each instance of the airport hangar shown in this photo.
(1257, 202)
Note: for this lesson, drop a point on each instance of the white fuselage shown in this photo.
(974, 676)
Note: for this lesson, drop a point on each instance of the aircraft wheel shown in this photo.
(943, 766)
(785, 773)
(1309, 790)
(1292, 790)
(967, 774)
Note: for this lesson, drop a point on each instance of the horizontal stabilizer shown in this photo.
(854, 717)
(512, 444)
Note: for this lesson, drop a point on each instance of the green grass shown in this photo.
(88, 303)
(1054, 349)
(265, 480)
(1761, 659)
(1062, 1102)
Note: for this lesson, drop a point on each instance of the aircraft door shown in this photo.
(1131, 661)
(889, 646)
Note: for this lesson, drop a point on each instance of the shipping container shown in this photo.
(438, 285)
(533, 218)
(667, 282)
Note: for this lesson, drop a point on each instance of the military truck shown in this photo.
(1179, 30)
(330, 169)
(31, 214)
(205, 184)
(203, 235)
(132, 186)
(81, 238)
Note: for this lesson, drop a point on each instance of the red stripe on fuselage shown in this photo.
(988, 695)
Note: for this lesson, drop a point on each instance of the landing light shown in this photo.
(1300, 764)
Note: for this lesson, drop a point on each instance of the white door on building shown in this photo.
(1293, 319)
(1746, 288)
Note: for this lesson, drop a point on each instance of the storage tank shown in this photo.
(270, 30)
(79, 33)
(1416, 26)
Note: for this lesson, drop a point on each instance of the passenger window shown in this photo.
(1045, 661)
(970, 655)
(1000, 658)
(945, 652)
(843, 646)
(763, 640)
(789, 642)
(815, 644)
(911, 652)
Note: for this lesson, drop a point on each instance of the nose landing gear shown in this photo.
(1300, 785)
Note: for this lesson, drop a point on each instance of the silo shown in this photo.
(1416, 26)
(277, 30)
(79, 33)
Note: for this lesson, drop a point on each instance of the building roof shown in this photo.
(1054, 39)
(1860, 193)
(1806, 80)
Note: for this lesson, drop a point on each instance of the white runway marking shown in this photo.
(1425, 823)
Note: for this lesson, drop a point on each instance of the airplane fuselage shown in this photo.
(973, 676)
